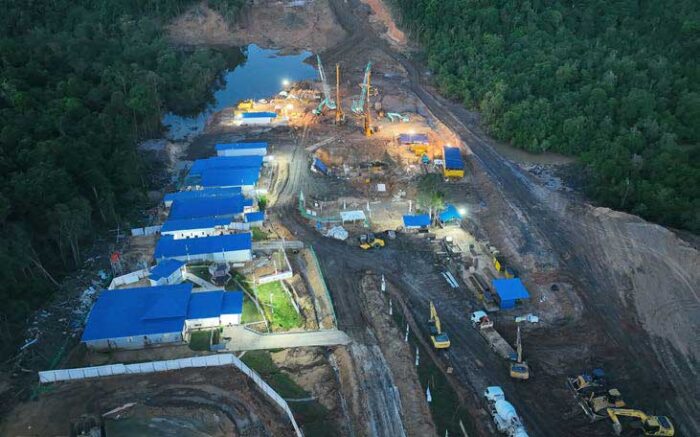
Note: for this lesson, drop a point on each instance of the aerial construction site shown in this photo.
(389, 270)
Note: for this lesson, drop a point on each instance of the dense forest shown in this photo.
(81, 82)
(615, 83)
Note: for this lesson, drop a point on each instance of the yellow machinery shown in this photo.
(651, 425)
(519, 368)
(439, 338)
(370, 241)
(245, 105)
(367, 128)
(596, 405)
(339, 115)
(585, 383)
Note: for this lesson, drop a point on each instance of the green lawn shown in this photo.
(281, 314)
(200, 340)
(258, 234)
(250, 311)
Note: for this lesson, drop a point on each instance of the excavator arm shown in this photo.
(652, 425)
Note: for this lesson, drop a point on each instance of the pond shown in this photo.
(259, 76)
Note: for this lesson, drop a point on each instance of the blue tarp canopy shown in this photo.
(240, 146)
(320, 166)
(259, 115)
(234, 177)
(416, 221)
(165, 268)
(215, 303)
(226, 162)
(453, 158)
(208, 207)
(509, 291)
(450, 213)
(413, 139)
(195, 223)
(168, 247)
(138, 311)
(252, 217)
(200, 194)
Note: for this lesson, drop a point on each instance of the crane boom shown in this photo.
(339, 115)
(327, 100)
(358, 106)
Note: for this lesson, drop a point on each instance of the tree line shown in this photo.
(81, 82)
(615, 83)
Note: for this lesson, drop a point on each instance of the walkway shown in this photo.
(243, 339)
(207, 286)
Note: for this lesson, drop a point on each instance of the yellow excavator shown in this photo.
(370, 241)
(519, 368)
(439, 338)
(596, 404)
(651, 425)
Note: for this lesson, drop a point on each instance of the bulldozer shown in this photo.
(519, 369)
(370, 241)
(651, 425)
(585, 384)
(596, 405)
(438, 337)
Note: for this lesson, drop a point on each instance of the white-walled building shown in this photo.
(241, 149)
(231, 248)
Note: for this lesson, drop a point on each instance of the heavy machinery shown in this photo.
(358, 106)
(370, 241)
(327, 101)
(245, 105)
(395, 116)
(497, 343)
(585, 384)
(503, 413)
(519, 369)
(367, 128)
(339, 114)
(596, 404)
(651, 425)
(439, 338)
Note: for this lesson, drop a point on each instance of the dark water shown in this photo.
(260, 76)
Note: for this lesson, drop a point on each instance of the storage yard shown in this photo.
(421, 283)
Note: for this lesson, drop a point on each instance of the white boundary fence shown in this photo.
(148, 230)
(50, 376)
(129, 278)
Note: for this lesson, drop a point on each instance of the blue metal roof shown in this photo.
(259, 115)
(416, 221)
(235, 177)
(453, 158)
(413, 139)
(215, 303)
(208, 207)
(257, 216)
(239, 146)
(168, 247)
(510, 289)
(199, 194)
(165, 268)
(226, 162)
(137, 312)
(450, 213)
(195, 223)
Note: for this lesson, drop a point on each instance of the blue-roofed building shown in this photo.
(137, 317)
(229, 207)
(450, 214)
(226, 162)
(416, 221)
(241, 149)
(245, 178)
(254, 218)
(509, 292)
(167, 272)
(201, 194)
(232, 248)
(214, 308)
(196, 227)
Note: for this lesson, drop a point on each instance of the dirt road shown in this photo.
(643, 334)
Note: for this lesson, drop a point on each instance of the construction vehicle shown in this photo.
(519, 369)
(651, 425)
(339, 114)
(585, 384)
(498, 344)
(395, 116)
(327, 100)
(596, 404)
(358, 106)
(503, 413)
(245, 105)
(367, 128)
(370, 241)
(439, 338)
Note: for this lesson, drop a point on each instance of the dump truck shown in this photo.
(503, 413)
(480, 320)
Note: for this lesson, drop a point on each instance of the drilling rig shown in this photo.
(339, 115)
(327, 101)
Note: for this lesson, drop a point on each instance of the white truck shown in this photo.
(504, 415)
(480, 320)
